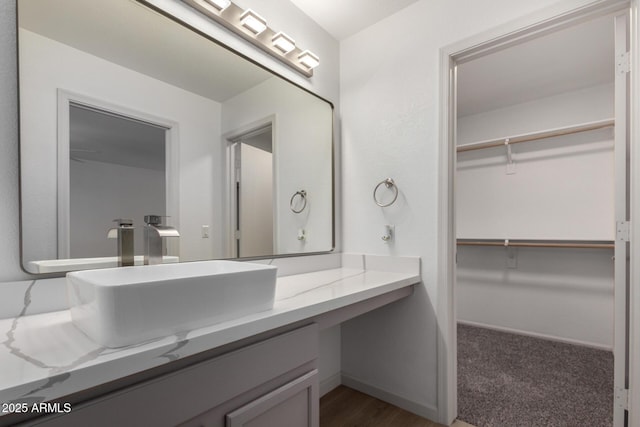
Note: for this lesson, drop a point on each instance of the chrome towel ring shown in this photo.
(303, 198)
(389, 183)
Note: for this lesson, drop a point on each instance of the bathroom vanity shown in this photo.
(260, 368)
(231, 389)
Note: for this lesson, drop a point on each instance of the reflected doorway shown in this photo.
(253, 193)
(117, 169)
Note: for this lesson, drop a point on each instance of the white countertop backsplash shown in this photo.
(43, 356)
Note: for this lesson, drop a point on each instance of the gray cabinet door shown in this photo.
(295, 404)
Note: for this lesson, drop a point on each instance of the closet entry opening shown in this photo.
(539, 201)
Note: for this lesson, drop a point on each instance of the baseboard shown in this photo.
(330, 383)
(429, 412)
(537, 335)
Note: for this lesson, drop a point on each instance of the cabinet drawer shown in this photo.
(295, 404)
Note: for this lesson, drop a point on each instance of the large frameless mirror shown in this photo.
(125, 112)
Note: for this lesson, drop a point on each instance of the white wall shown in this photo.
(198, 120)
(562, 188)
(560, 294)
(564, 109)
(302, 158)
(390, 92)
(102, 192)
(329, 359)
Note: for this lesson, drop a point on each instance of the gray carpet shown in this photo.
(512, 380)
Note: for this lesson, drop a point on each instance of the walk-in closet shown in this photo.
(539, 187)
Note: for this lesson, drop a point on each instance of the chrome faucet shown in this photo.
(154, 233)
(124, 233)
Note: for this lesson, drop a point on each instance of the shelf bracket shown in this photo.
(512, 255)
(511, 166)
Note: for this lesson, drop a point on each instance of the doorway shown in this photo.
(512, 167)
(253, 218)
(113, 162)
(117, 169)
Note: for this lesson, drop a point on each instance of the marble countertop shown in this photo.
(44, 357)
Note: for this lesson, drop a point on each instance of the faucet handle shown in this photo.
(112, 233)
(153, 219)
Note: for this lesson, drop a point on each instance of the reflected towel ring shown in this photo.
(303, 197)
(389, 184)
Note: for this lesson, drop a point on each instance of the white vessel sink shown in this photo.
(122, 306)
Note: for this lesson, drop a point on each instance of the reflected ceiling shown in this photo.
(107, 138)
(172, 53)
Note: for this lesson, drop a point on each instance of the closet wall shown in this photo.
(559, 189)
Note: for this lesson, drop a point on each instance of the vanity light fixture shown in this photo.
(253, 22)
(283, 42)
(253, 28)
(220, 5)
(308, 59)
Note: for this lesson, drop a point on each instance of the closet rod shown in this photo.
(549, 244)
(534, 136)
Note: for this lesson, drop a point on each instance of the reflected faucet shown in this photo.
(154, 232)
(124, 233)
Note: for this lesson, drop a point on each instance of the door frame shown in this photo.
(229, 140)
(65, 99)
(634, 291)
(549, 19)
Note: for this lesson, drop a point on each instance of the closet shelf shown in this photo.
(534, 136)
(508, 243)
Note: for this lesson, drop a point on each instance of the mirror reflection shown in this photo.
(125, 113)
(116, 170)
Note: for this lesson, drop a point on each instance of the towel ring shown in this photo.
(303, 197)
(389, 184)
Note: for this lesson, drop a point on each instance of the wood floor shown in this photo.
(345, 407)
